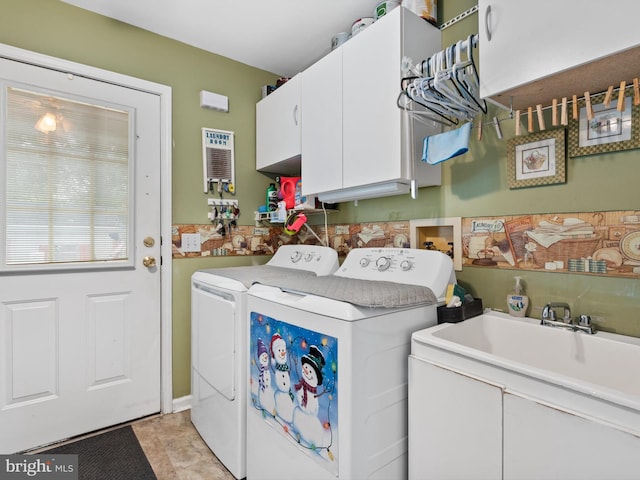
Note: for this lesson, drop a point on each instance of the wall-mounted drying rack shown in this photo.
(267, 219)
(444, 87)
(562, 109)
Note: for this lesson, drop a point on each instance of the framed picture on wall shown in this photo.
(610, 129)
(537, 159)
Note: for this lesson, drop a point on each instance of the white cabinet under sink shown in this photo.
(455, 424)
(278, 118)
(548, 442)
(477, 429)
(536, 51)
(352, 129)
(475, 415)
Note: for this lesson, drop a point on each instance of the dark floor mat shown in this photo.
(113, 455)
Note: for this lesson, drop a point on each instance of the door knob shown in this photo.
(149, 262)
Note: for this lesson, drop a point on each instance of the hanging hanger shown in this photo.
(405, 102)
(466, 74)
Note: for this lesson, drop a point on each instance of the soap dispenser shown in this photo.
(517, 301)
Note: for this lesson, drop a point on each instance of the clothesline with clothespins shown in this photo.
(562, 107)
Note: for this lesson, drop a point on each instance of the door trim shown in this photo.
(164, 92)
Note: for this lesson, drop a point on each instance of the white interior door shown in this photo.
(79, 311)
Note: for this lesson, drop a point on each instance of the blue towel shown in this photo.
(446, 145)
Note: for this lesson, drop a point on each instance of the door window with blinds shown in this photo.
(67, 182)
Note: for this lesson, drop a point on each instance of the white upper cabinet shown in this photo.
(278, 117)
(322, 125)
(353, 133)
(532, 52)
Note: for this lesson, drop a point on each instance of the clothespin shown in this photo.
(496, 123)
(517, 122)
(530, 120)
(540, 116)
(587, 104)
(607, 96)
(480, 129)
(563, 112)
(575, 107)
(636, 92)
(620, 106)
(554, 112)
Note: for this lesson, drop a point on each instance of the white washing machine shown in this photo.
(328, 365)
(219, 340)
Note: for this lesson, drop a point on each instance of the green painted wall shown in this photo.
(473, 185)
(55, 28)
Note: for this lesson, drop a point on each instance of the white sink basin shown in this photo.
(603, 365)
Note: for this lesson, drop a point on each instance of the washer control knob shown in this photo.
(296, 256)
(383, 263)
(364, 262)
(406, 265)
(308, 257)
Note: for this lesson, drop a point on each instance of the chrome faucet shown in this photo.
(550, 318)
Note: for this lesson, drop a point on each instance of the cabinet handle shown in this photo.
(487, 19)
(295, 115)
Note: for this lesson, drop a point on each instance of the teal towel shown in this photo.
(446, 145)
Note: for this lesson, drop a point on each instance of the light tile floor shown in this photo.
(176, 451)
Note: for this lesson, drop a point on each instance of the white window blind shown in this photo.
(67, 182)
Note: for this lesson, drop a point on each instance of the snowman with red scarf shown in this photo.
(305, 416)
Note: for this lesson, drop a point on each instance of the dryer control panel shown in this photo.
(428, 268)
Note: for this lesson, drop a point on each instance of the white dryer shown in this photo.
(335, 403)
(219, 340)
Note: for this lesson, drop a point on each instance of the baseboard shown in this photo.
(182, 403)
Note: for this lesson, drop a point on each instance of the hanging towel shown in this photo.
(446, 145)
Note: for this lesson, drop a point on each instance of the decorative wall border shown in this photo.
(264, 240)
(592, 243)
(599, 243)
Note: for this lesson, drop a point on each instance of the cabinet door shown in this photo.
(278, 128)
(524, 41)
(544, 442)
(322, 125)
(371, 82)
(455, 425)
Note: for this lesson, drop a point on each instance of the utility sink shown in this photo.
(515, 399)
(605, 365)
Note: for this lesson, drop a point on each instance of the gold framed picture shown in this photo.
(610, 130)
(537, 159)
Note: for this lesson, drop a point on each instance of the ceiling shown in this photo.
(279, 36)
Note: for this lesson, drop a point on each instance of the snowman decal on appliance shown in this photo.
(283, 396)
(305, 415)
(265, 392)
